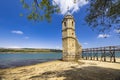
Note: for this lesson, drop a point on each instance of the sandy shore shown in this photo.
(60, 70)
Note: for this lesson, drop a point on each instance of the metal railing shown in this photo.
(101, 52)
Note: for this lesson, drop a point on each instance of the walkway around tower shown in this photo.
(101, 53)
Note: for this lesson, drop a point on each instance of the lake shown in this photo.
(9, 60)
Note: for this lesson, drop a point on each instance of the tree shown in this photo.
(39, 9)
(104, 15)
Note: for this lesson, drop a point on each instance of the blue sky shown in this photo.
(18, 32)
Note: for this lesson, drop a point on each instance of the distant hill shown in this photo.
(28, 50)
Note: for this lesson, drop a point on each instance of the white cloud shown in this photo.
(85, 43)
(103, 35)
(117, 30)
(17, 32)
(73, 7)
(27, 37)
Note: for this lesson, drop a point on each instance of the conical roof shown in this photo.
(68, 13)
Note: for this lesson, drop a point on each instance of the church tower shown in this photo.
(71, 47)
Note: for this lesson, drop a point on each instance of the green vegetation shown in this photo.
(39, 9)
(104, 15)
(28, 50)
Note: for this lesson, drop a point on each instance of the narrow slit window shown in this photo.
(72, 45)
(72, 33)
(72, 23)
(65, 24)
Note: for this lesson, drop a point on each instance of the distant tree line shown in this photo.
(29, 50)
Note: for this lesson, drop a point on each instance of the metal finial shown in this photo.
(68, 9)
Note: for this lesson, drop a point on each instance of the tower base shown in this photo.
(70, 57)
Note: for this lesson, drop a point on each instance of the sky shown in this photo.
(19, 32)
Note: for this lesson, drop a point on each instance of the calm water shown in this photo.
(22, 59)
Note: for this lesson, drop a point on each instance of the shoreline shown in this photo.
(39, 61)
(20, 64)
(26, 66)
(61, 70)
(52, 60)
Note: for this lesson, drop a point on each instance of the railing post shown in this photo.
(101, 54)
(104, 54)
(91, 54)
(114, 53)
(97, 54)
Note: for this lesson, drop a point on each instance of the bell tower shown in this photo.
(71, 48)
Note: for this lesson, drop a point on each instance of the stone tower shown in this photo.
(70, 45)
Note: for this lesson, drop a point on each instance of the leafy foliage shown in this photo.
(40, 9)
(104, 15)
